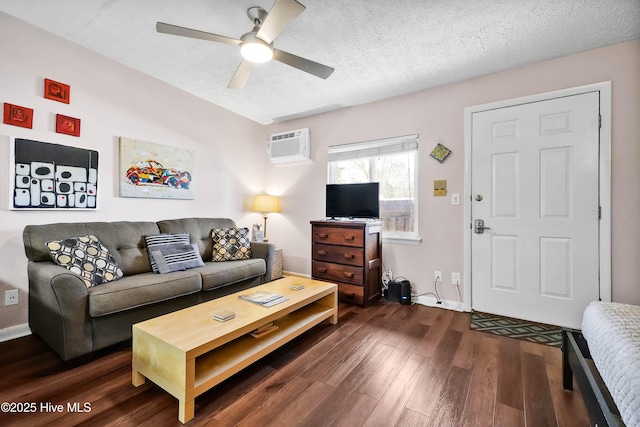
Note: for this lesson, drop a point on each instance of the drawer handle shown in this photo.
(322, 270)
(349, 256)
(350, 295)
(349, 237)
(348, 274)
(321, 252)
(322, 235)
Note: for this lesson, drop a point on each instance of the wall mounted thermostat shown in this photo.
(440, 187)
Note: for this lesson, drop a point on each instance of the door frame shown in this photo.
(604, 179)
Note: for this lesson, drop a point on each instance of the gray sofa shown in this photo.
(76, 320)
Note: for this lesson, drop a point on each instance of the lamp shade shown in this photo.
(266, 203)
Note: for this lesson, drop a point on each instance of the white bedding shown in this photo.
(612, 331)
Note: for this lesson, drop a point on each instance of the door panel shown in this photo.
(555, 267)
(504, 183)
(556, 182)
(504, 267)
(535, 184)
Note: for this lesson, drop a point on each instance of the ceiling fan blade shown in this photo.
(241, 76)
(279, 16)
(162, 27)
(303, 64)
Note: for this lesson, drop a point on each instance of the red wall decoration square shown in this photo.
(67, 125)
(18, 116)
(57, 91)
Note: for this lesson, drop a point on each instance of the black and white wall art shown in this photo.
(52, 176)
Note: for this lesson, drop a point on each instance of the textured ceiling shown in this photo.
(379, 48)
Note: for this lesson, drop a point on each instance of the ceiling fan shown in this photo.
(256, 46)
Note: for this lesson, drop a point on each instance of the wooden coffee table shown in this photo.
(187, 352)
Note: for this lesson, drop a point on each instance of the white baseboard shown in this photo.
(293, 273)
(432, 302)
(13, 332)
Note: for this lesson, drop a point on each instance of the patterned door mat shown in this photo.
(516, 328)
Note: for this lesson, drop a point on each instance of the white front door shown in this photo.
(534, 183)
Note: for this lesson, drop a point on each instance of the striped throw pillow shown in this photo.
(156, 241)
(169, 258)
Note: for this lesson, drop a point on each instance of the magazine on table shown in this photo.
(264, 298)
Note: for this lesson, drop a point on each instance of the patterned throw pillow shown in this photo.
(230, 244)
(156, 241)
(179, 257)
(87, 257)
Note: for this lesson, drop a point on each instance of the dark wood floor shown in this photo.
(387, 365)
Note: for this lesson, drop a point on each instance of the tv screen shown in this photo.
(353, 200)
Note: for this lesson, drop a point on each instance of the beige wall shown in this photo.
(437, 115)
(112, 101)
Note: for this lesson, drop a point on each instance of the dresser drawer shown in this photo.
(338, 236)
(340, 254)
(337, 272)
(351, 293)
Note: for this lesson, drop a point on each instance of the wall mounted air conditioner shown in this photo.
(288, 147)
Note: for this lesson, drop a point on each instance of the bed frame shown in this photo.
(577, 362)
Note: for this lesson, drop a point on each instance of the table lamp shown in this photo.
(266, 204)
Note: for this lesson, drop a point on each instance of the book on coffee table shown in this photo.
(264, 327)
(258, 332)
(264, 298)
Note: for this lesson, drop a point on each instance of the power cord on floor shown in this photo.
(435, 288)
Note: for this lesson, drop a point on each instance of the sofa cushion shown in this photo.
(156, 241)
(140, 290)
(230, 244)
(218, 274)
(87, 257)
(170, 258)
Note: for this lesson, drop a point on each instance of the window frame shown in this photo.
(372, 150)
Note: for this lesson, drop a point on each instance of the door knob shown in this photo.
(479, 197)
(479, 226)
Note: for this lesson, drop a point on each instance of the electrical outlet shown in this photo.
(11, 297)
(437, 276)
(455, 279)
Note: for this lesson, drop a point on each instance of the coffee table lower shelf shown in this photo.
(186, 371)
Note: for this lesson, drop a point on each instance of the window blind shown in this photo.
(379, 147)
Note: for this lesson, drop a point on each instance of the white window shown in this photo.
(392, 162)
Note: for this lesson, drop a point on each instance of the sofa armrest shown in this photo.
(58, 310)
(267, 252)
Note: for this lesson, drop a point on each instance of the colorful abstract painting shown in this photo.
(52, 176)
(151, 170)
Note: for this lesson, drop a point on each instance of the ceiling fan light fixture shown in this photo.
(257, 45)
(254, 49)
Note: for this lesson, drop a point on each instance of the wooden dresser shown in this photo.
(349, 253)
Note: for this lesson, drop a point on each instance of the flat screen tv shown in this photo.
(353, 200)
